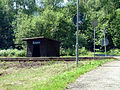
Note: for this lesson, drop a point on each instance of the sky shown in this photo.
(65, 1)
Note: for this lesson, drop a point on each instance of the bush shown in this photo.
(4, 53)
(114, 52)
(83, 51)
(62, 52)
(12, 53)
(71, 52)
(67, 52)
(21, 53)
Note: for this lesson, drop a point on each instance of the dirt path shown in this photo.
(106, 77)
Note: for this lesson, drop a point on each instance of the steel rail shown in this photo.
(42, 59)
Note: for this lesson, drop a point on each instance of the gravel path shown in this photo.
(106, 77)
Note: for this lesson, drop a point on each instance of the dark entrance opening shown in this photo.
(36, 50)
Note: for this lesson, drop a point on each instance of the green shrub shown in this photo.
(114, 52)
(67, 52)
(71, 52)
(82, 51)
(4, 53)
(12, 53)
(21, 53)
(62, 52)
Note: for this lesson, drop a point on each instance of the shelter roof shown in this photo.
(37, 38)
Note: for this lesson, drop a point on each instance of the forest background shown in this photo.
(54, 19)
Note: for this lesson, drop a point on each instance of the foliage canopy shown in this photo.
(53, 19)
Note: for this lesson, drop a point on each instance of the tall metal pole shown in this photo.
(77, 33)
(94, 42)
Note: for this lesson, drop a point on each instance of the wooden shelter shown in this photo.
(42, 47)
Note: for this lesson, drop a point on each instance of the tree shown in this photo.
(114, 29)
(54, 20)
(6, 38)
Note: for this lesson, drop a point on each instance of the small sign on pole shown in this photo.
(94, 24)
(105, 42)
(81, 19)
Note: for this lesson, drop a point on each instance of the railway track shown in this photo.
(42, 59)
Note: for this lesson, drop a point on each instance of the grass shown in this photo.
(52, 76)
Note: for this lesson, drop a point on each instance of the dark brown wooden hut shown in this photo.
(42, 47)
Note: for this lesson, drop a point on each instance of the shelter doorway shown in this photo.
(36, 50)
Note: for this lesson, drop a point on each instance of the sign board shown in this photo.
(36, 42)
(105, 43)
(94, 23)
(81, 19)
